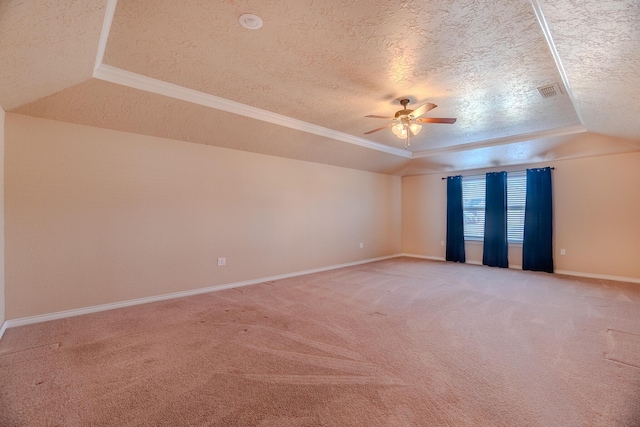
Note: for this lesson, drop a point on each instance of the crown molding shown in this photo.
(148, 84)
(137, 81)
(549, 133)
(106, 29)
(537, 9)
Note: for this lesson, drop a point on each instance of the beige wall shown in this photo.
(2, 298)
(596, 216)
(95, 216)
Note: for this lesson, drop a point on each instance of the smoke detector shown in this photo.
(250, 21)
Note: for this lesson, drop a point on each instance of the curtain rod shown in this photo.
(480, 174)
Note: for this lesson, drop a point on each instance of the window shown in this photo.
(473, 192)
(516, 198)
(473, 203)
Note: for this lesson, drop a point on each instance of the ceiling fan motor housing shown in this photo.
(404, 112)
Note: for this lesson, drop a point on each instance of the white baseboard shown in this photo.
(565, 272)
(437, 258)
(97, 308)
(432, 258)
(103, 307)
(511, 266)
(3, 328)
(599, 276)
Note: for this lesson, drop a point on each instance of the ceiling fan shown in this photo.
(408, 122)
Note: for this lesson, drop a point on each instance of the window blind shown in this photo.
(473, 206)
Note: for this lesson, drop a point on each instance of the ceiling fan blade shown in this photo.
(376, 130)
(380, 117)
(423, 109)
(436, 120)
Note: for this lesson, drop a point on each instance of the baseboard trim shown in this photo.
(3, 328)
(599, 276)
(437, 258)
(564, 272)
(511, 266)
(432, 258)
(104, 307)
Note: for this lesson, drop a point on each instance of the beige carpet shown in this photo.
(403, 342)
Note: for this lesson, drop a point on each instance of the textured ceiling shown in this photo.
(328, 63)
(46, 46)
(599, 44)
(331, 63)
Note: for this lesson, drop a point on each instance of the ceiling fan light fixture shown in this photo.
(399, 130)
(407, 122)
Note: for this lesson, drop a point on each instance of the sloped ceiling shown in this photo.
(301, 85)
(46, 46)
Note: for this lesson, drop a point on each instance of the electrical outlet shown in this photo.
(441, 242)
(361, 245)
(222, 261)
(563, 252)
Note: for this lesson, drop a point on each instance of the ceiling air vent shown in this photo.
(550, 91)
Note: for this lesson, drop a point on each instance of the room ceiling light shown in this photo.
(408, 122)
(250, 21)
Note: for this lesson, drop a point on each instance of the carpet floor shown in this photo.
(400, 342)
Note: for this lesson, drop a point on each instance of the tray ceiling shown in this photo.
(317, 67)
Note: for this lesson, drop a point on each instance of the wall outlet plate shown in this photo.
(222, 261)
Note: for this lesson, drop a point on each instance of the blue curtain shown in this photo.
(537, 247)
(455, 222)
(496, 248)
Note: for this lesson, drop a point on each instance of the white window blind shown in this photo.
(473, 205)
(516, 197)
